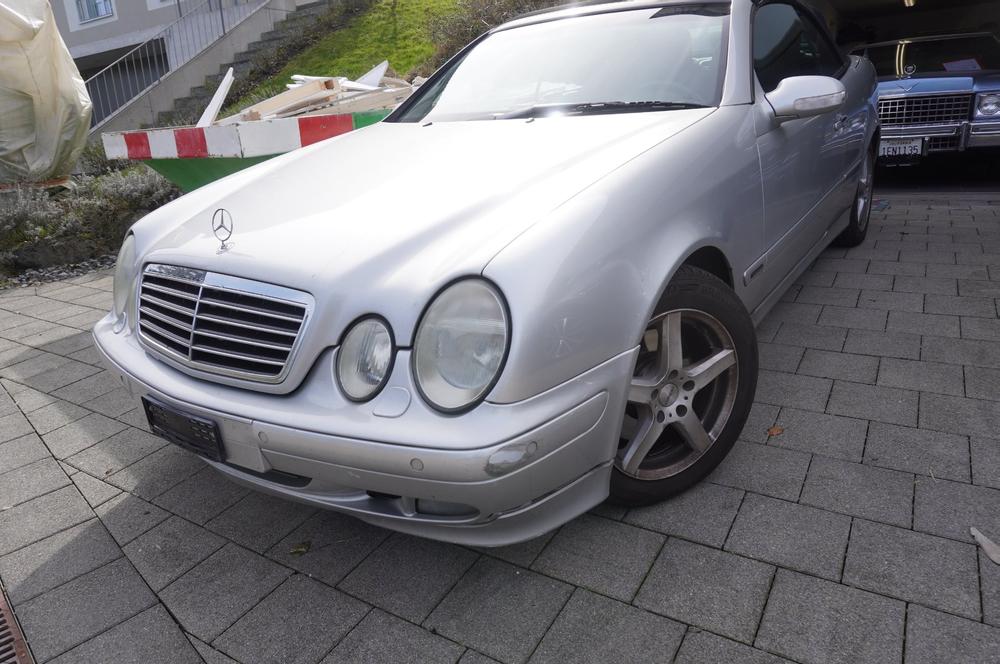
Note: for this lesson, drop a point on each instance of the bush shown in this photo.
(474, 17)
(40, 229)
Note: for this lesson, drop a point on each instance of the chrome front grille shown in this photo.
(221, 324)
(927, 109)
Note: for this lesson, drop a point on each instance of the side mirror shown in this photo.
(806, 96)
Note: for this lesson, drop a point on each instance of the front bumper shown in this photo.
(499, 474)
(949, 137)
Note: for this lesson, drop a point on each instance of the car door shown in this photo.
(803, 161)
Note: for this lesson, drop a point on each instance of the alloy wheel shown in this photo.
(681, 395)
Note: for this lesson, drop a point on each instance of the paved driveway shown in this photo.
(836, 531)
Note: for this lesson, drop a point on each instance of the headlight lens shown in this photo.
(365, 359)
(460, 345)
(989, 104)
(123, 276)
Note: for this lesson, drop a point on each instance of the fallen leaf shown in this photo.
(301, 548)
(989, 547)
(775, 431)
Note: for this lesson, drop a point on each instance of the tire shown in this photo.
(861, 210)
(709, 384)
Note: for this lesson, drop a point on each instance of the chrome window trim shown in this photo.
(259, 289)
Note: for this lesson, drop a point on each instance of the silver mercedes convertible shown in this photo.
(532, 287)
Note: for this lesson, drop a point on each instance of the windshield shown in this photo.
(956, 55)
(621, 61)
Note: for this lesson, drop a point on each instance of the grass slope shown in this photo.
(393, 30)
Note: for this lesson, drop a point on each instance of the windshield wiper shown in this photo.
(593, 108)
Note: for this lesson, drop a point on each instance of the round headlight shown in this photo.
(365, 359)
(460, 345)
(989, 104)
(123, 276)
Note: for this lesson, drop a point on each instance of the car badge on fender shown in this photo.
(222, 226)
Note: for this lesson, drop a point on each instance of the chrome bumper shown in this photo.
(487, 484)
(951, 137)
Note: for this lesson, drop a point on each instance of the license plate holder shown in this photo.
(192, 432)
(901, 147)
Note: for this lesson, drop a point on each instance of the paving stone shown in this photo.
(891, 301)
(117, 452)
(14, 426)
(814, 621)
(34, 364)
(923, 376)
(844, 297)
(508, 627)
(202, 496)
(870, 402)
(962, 351)
(840, 265)
(915, 567)
(127, 517)
(77, 436)
(708, 588)
(980, 328)
(114, 403)
(158, 472)
(986, 462)
(93, 386)
(759, 422)
(53, 379)
(606, 556)
(55, 415)
(296, 624)
(919, 451)
(931, 324)
(934, 285)
(812, 278)
(781, 389)
(989, 575)
(39, 518)
(960, 415)
(859, 490)
(883, 344)
(704, 513)
(949, 509)
(209, 654)
(83, 608)
(790, 535)
(216, 593)
(795, 312)
(960, 306)
(982, 383)
(707, 648)
(524, 553)
(595, 629)
(385, 639)
(864, 319)
(978, 288)
(21, 451)
(164, 553)
(94, 491)
(408, 576)
(831, 435)
(863, 281)
(27, 482)
(958, 271)
(763, 469)
(53, 561)
(779, 357)
(895, 267)
(259, 521)
(933, 637)
(328, 545)
(150, 637)
(811, 336)
(26, 398)
(931, 256)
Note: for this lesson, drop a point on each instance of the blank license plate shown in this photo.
(193, 433)
(901, 147)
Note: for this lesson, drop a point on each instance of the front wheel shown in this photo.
(861, 211)
(691, 392)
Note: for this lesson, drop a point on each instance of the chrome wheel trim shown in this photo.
(866, 186)
(681, 396)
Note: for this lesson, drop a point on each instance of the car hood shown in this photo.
(377, 220)
(932, 84)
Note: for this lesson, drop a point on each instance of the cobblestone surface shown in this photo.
(839, 535)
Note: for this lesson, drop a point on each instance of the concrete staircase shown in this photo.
(188, 109)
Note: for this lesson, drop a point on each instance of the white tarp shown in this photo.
(44, 106)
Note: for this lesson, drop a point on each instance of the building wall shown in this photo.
(131, 23)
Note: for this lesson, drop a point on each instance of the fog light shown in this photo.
(510, 457)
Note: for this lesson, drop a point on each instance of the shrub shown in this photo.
(474, 17)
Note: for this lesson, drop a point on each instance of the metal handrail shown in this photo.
(142, 67)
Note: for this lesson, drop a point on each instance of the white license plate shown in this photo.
(901, 147)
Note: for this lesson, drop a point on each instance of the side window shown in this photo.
(786, 43)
